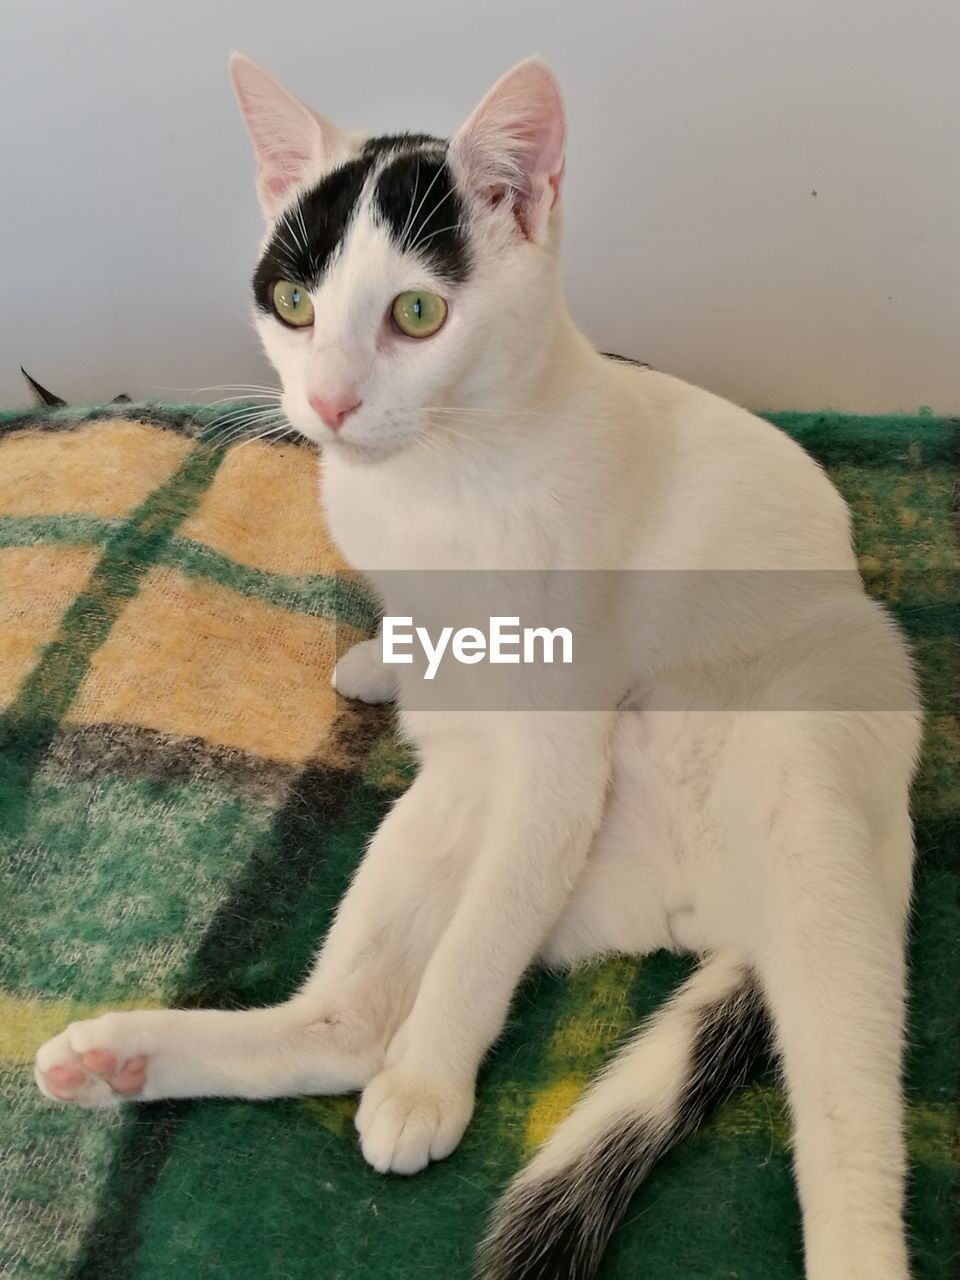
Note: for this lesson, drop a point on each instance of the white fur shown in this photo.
(362, 674)
(753, 815)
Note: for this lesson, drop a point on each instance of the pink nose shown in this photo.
(334, 410)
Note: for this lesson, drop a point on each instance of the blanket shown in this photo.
(183, 800)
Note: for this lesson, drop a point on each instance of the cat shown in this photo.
(739, 788)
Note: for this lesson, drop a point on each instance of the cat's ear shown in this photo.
(291, 142)
(512, 147)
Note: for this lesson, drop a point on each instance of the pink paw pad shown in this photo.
(131, 1077)
(64, 1078)
(101, 1061)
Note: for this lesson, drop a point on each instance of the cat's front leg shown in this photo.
(551, 781)
(361, 673)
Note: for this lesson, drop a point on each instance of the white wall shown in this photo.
(762, 196)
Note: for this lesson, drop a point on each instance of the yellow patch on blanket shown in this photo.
(104, 469)
(195, 658)
(38, 585)
(263, 510)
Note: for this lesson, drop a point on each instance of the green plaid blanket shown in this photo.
(182, 802)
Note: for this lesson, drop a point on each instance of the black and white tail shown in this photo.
(555, 1219)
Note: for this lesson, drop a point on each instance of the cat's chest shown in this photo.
(398, 536)
(378, 524)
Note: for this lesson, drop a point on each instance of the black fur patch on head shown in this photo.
(400, 142)
(414, 196)
(557, 1229)
(308, 234)
(417, 200)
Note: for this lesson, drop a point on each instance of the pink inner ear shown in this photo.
(281, 170)
(556, 180)
(513, 145)
(276, 185)
(541, 142)
(287, 137)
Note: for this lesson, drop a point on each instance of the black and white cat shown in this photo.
(743, 793)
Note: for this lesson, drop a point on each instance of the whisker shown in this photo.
(454, 226)
(458, 435)
(424, 198)
(288, 225)
(450, 408)
(436, 447)
(477, 443)
(223, 429)
(416, 187)
(303, 227)
(282, 232)
(272, 432)
(244, 437)
(432, 214)
(241, 423)
(240, 426)
(226, 386)
(503, 414)
(243, 410)
(244, 398)
(236, 425)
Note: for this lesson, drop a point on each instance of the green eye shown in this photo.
(418, 314)
(292, 304)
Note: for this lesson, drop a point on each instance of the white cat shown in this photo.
(738, 788)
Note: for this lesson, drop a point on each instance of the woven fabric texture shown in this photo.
(183, 800)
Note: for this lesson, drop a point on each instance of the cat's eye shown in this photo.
(292, 304)
(418, 314)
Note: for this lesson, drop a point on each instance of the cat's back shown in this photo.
(739, 493)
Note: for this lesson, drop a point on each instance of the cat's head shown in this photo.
(403, 275)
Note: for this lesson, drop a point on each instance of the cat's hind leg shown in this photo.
(184, 1053)
(830, 958)
(621, 901)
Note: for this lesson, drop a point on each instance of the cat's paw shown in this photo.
(405, 1120)
(361, 673)
(92, 1064)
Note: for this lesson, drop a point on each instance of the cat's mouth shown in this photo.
(363, 454)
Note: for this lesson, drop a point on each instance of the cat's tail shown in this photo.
(555, 1219)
